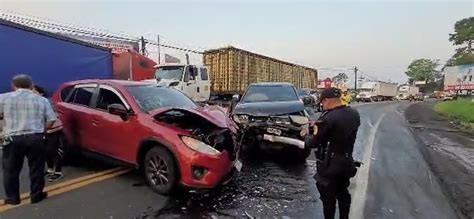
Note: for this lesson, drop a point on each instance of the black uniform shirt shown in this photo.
(338, 128)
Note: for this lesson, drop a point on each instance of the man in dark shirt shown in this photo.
(333, 137)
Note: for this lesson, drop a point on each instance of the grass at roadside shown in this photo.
(461, 110)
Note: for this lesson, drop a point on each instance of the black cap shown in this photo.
(328, 93)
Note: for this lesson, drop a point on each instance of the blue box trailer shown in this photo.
(50, 59)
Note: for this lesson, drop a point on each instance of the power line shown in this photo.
(77, 30)
(65, 26)
(173, 47)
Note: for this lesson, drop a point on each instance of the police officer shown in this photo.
(333, 137)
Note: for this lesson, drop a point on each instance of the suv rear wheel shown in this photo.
(160, 170)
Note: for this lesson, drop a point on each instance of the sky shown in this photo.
(381, 38)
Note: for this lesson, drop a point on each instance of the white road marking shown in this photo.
(361, 181)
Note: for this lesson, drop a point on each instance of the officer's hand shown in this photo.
(304, 130)
(315, 130)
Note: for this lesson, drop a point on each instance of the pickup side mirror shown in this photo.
(119, 110)
(235, 100)
(307, 101)
(235, 97)
(319, 107)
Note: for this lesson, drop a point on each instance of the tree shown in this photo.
(463, 37)
(423, 70)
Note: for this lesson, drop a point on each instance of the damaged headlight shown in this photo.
(241, 119)
(299, 120)
(199, 146)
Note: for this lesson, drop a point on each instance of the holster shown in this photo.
(335, 165)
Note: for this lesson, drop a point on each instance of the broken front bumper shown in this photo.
(285, 140)
(284, 134)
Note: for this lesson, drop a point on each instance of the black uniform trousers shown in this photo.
(335, 189)
(32, 146)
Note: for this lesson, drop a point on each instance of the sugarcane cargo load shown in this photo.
(232, 70)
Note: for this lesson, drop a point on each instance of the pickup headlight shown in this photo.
(241, 119)
(300, 120)
(199, 146)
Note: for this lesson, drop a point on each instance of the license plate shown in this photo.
(238, 165)
(274, 131)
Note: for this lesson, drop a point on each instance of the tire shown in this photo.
(161, 172)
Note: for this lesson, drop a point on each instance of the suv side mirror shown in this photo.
(119, 110)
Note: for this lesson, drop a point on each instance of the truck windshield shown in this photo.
(151, 97)
(270, 94)
(169, 72)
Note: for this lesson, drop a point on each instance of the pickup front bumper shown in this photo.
(285, 140)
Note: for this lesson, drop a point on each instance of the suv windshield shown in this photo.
(151, 97)
(169, 72)
(270, 94)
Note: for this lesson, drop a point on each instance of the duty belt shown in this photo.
(333, 154)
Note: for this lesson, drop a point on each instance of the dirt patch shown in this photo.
(448, 151)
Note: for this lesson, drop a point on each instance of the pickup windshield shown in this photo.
(303, 93)
(270, 94)
(151, 97)
(169, 72)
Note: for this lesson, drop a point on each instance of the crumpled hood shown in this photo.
(214, 114)
(269, 108)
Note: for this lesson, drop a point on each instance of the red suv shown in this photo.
(157, 129)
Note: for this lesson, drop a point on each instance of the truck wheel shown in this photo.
(160, 170)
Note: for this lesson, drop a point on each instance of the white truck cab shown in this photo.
(192, 80)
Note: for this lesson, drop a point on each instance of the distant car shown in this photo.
(157, 129)
(418, 97)
(271, 117)
(448, 97)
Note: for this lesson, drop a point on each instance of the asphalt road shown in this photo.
(394, 182)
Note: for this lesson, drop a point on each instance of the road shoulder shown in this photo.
(449, 152)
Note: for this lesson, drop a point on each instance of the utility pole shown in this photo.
(159, 56)
(355, 78)
(142, 42)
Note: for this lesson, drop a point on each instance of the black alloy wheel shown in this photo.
(160, 170)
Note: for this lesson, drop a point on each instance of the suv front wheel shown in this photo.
(160, 170)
